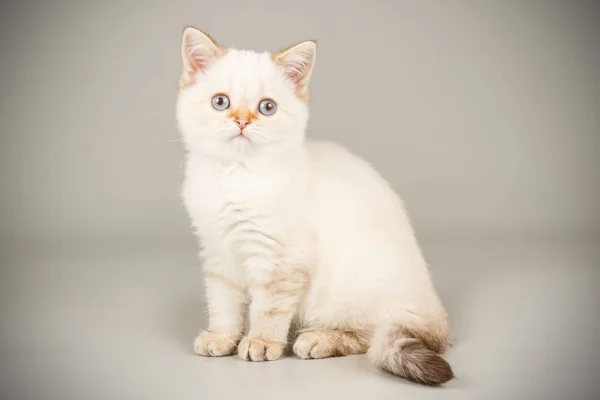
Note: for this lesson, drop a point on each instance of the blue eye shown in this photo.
(267, 107)
(220, 102)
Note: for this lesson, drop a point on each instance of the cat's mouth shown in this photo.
(240, 136)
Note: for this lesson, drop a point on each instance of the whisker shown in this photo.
(180, 168)
(182, 161)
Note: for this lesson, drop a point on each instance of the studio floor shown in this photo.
(117, 321)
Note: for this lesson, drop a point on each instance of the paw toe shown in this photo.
(304, 345)
(253, 349)
(211, 344)
(320, 351)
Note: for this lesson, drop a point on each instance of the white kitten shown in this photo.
(293, 232)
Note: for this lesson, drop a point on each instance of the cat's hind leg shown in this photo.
(331, 343)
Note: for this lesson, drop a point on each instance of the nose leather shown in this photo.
(242, 116)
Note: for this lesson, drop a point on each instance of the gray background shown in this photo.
(484, 116)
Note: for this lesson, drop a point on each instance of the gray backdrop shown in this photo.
(484, 116)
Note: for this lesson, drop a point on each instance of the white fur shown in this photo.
(277, 202)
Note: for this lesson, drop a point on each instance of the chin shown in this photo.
(240, 144)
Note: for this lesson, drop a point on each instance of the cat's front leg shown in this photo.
(273, 304)
(227, 302)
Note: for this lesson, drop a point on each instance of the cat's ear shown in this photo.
(297, 63)
(198, 51)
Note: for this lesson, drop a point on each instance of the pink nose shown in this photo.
(241, 123)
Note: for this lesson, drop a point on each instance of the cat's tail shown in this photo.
(414, 354)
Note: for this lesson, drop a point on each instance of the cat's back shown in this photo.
(327, 155)
(349, 190)
(332, 160)
(338, 168)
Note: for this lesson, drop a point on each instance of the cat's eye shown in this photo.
(267, 107)
(220, 102)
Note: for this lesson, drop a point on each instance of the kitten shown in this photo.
(297, 234)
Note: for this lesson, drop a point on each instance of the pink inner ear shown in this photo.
(296, 65)
(297, 71)
(196, 60)
(198, 52)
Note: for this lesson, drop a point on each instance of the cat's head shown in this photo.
(234, 103)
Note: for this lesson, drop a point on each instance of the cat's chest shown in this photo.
(234, 204)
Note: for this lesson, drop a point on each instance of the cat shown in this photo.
(300, 235)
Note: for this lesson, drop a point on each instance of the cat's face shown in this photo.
(237, 103)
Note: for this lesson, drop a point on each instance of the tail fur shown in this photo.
(414, 354)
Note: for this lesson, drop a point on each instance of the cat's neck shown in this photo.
(293, 159)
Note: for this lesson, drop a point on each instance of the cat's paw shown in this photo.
(330, 343)
(254, 349)
(311, 345)
(213, 344)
